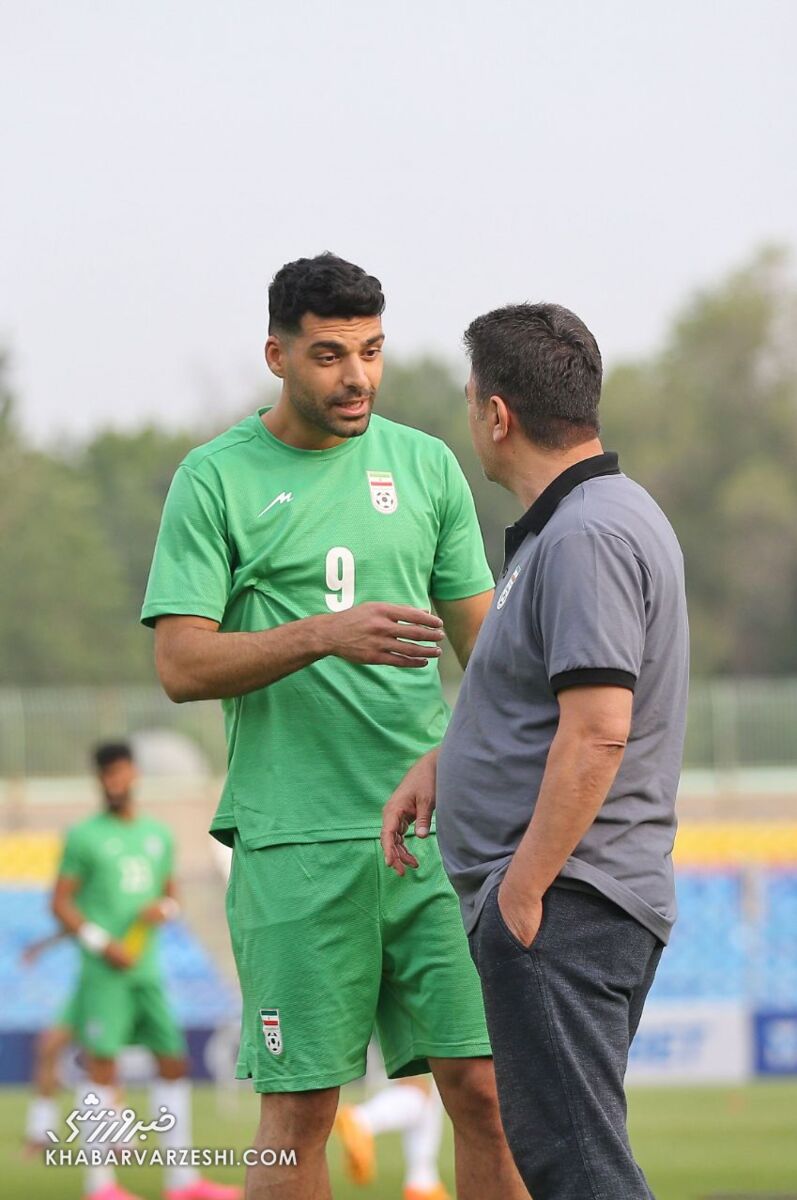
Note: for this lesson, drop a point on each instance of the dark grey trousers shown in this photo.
(561, 1017)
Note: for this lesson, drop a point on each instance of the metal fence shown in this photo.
(49, 731)
(734, 724)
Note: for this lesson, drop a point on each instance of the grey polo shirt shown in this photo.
(592, 593)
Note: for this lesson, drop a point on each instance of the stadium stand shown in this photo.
(736, 934)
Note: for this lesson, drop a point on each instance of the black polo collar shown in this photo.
(537, 517)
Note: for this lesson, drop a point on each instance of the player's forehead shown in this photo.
(354, 333)
(116, 766)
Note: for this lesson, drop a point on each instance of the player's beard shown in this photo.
(117, 802)
(328, 415)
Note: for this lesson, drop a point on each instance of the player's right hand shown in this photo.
(412, 803)
(116, 956)
(384, 635)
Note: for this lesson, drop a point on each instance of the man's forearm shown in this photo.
(69, 915)
(577, 778)
(204, 664)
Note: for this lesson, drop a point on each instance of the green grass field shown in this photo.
(699, 1143)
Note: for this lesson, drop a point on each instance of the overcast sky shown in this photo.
(162, 158)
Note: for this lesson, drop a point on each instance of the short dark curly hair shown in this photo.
(325, 285)
(108, 753)
(545, 364)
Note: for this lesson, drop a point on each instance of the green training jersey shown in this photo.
(256, 533)
(121, 866)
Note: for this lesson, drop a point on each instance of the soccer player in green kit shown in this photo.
(299, 556)
(114, 887)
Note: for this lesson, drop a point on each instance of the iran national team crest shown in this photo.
(383, 491)
(270, 1020)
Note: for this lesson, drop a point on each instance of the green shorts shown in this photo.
(113, 1009)
(329, 944)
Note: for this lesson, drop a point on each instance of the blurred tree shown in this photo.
(709, 426)
(8, 431)
(62, 600)
(131, 473)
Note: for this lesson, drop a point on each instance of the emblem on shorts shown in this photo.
(270, 1020)
(383, 491)
(502, 599)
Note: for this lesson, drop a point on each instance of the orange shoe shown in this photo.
(357, 1143)
(438, 1192)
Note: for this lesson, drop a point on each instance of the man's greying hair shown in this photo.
(545, 364)
(325, 285)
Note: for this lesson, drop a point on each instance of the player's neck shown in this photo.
(126, 812)
(285, 423)
(532, 472)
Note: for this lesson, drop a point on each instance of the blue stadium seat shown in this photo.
(735, 939)
(707, 954)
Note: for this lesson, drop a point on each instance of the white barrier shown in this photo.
(693, 1043)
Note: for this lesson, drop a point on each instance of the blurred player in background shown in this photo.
(48, 1049)
(298, 559)
(411, 1107)
(50, 1044)
(113, 889)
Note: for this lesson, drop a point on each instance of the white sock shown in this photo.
(397, 1107)
(175, 1096)
(375, 1077)
(100, 1176)
(43, 1114)
(422, 1144)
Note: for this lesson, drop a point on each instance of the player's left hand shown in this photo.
(521, 915)
(412, 802)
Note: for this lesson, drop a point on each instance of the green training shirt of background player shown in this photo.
(121, 866)
(256, 533)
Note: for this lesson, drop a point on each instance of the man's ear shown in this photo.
(500, 418)
(275, 355)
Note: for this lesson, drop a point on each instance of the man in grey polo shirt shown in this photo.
(557, 777)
